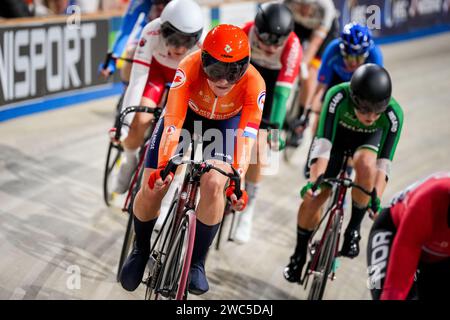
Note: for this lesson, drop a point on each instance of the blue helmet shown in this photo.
(355, 40)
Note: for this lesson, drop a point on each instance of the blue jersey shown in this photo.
(332, 69)
(133, 22)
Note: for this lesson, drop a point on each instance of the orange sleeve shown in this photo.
(250, 118)
(176, 107)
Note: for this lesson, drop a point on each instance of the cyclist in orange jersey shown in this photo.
(219, 97)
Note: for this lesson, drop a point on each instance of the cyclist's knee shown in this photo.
(364, 163)
(213, 184)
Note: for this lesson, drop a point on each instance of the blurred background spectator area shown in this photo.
(30, 8)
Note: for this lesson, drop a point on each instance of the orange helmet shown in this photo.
(226, 53)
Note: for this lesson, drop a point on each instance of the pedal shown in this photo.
(151, 261)
(154, 264)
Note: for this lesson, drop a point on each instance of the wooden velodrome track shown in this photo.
(52, 215)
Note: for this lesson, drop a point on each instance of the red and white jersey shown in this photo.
(421, 215)
(150, 46)
(286, 59)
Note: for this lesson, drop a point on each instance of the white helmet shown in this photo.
(182, 23)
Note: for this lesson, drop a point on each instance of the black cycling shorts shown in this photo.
(347, 140)
(218, 138)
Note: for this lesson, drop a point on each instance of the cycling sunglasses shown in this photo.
(366, 107)
(177, 39)
(217, 70)
(270, 39)
(359, 59)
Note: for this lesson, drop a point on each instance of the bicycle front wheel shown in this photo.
(111, 168)
(325, 260)
(175, 269)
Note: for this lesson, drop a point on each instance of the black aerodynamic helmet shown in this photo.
(371, 88)
(274, 22)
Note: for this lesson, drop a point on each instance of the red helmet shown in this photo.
(226, 53)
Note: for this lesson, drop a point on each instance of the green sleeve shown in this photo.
(329, 116)
(280, 97)
(393, 124)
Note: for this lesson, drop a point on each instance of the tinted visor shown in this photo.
(270, 39)
(176, 38)
(365, 107)
(217, 70)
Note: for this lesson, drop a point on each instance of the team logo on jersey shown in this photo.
(228, 48)
(193, 105)
(261, 100)
(142, 42)
(171, 129)
(179, 79)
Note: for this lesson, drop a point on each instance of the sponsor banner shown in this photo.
(395, 17)
(40, 60)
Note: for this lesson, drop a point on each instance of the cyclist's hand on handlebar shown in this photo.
(108, 71)
(105, 73)
(155, 181)
(307, 190)
(237, 204)
(377, 206)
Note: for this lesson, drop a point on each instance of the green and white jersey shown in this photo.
(338, 115)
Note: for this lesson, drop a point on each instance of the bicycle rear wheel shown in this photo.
(113, 157)
(325, 261)
(174, 273)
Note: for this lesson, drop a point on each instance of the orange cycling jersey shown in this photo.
(190, 89)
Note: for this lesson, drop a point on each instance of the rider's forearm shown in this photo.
(316, 42)
(380, 183)
(243, 155)
(318, 168)
(318, 95)
(138, 79)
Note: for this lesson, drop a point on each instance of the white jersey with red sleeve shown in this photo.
(286, 59)
(151, 46)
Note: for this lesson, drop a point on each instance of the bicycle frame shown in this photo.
(323, 262)
(187, 197)
(335, 209)
(184, 216)
(156, 112)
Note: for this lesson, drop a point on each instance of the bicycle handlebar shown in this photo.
(203, 167)
(349, 184)
(129, 110)
(109, 56)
